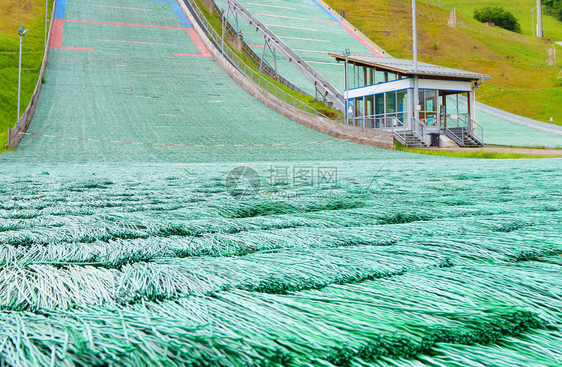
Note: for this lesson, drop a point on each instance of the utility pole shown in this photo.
(415, 57)
(539, 19)
(21, 31)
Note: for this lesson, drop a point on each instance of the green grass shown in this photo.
(31, 14)
(521, 81)
(469, 154)
(521, 9)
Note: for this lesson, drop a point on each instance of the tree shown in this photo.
(499, 16)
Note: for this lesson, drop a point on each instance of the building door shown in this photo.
(429, 107)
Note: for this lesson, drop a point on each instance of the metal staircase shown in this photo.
(464, 137)
(464, 131)
(414, 137)
(409, 139)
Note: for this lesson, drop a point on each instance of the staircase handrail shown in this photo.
(418, 128)
(478, 131)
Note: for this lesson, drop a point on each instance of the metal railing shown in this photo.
(418, 128)
(478, 132)
(462, 129)
(388, 121)
(244, 68)
(393, 122)
(473, 128)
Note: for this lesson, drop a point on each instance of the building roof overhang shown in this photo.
(406, 67)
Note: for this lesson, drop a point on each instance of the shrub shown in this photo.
(499, 16)
(553, 7)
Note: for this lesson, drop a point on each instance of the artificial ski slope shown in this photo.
(313, 30)
(129, 245)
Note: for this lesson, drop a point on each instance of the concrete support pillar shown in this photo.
(235, 42)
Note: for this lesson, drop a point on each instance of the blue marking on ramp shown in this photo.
(60, 9)
(177, 9)
(326, 11)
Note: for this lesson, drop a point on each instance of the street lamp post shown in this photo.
(21, 31)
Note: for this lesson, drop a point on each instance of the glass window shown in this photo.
(350, 108)
(359, 107)
(390, 102)
(370, 110)
(421, 99)
(430, 100)
(379, 77)
(402, 97)
(379, 104)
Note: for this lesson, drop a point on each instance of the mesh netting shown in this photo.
(314, 254)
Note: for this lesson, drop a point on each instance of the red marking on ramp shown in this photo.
(198, 43)
(123, 24)
(190, 55)
(56, 37)
(325, 21)
(58, 28)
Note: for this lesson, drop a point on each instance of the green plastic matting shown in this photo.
(229, 250)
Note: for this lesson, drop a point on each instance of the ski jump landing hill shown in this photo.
(312, 29)
(123, 242)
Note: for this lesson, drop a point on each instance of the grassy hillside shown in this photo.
(13, 13)
(521, 9)
(521, 82)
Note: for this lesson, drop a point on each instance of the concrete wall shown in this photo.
(371, 137)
